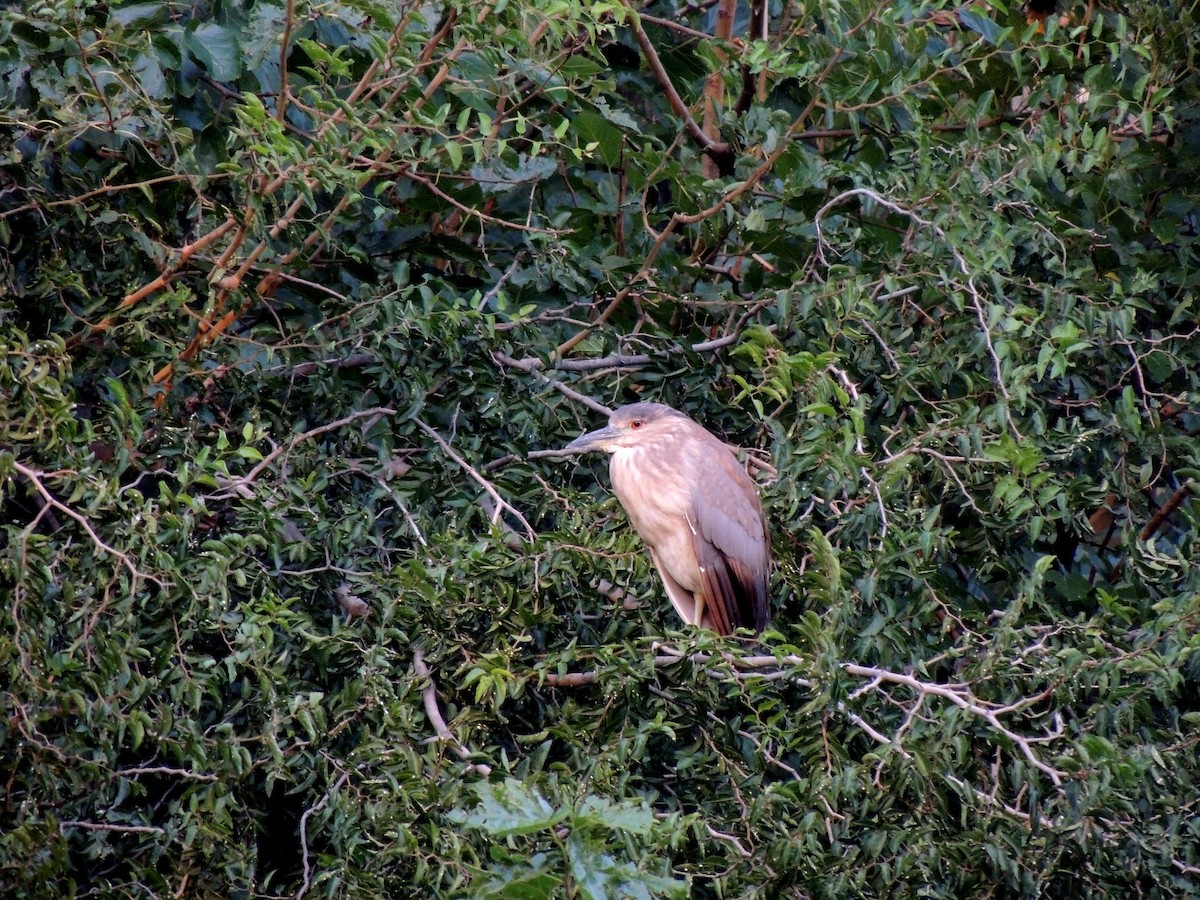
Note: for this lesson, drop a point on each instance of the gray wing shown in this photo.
(730, 540)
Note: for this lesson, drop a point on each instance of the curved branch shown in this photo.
(959, 261)
(433, 712)
(239, 486)
(34, 477)
(345, 776)
(501, 503)
(711, 147)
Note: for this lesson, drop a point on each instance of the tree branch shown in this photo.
(712, 147)
(529, 367)
(237, 486)
(345, 776)
(773, 667)
(34, 477)
(501, 503)
(960, 262)
(1164, 512)
(433, 712)
(104, 826)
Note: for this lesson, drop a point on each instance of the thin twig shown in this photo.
(621, 360)
(501, 503)
(470, 211)
(35, 478)
(494, 291)
(403, 507)
(251, 476)
(729, 839)
(167, 770)
(527, 366)
(959, 695)
(104, 826)
(304, 832)
(960, 261)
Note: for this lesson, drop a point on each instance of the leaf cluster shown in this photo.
(293, 293)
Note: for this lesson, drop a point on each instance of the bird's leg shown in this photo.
(697, 597)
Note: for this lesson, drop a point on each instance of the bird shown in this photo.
(692, 503)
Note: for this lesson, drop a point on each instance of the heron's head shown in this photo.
(630, 426)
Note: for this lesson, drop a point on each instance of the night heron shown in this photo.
(696, 508)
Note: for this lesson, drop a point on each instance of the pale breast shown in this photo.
(657, 499)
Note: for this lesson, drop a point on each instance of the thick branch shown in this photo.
(1172, 504)
(433, 712)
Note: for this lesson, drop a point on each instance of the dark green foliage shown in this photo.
(271, 359)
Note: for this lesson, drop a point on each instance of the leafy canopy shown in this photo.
(293, 292)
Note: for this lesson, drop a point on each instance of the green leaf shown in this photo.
(139, 16)
(530, 882)
(511, 808)
(976, 20)
(601, 812)
(217, 48)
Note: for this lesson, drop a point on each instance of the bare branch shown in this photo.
(771, 667)
(501, 503)
(304, 832)
(239, 485)
(494, 291)
(729, 839)
(619, 360)
(167, 770)
(961, 696)
(433, 712)
(528, 366)
(466, 210)
(34, 477)
(713, 148)
(104, 826)
(960, 261)
(1164, 512)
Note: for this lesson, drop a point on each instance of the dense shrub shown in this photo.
(293, 292)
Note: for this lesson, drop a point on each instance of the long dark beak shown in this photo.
(600, 439)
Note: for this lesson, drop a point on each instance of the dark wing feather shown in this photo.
(716, 589)
(730, 540)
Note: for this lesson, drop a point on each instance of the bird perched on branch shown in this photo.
(696, 508)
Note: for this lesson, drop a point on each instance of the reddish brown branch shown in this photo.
(1164, 512)
(718, 164)
(711, 146)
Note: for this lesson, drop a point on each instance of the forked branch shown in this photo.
(875, 680)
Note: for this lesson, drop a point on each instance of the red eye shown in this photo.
(636, 423)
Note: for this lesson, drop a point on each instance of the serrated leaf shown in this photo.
(511, 808)
(600, 811)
